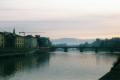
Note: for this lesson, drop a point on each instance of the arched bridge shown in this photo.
(84, 48)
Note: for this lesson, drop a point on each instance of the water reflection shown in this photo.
(71, 65)
(11, 65)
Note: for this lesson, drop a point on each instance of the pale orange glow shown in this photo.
(75, 34)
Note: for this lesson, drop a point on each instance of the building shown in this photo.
(9, 40)
(27, 41)
(2, 40)
(12, 40)
(19, 41)
(34, 42)
(31, 42)
(44, 42)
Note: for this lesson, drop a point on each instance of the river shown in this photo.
(58, 65)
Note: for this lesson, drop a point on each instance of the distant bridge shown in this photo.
(84, 48)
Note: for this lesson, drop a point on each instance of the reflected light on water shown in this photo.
(72, 65)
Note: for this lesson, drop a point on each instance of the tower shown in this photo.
(14, 31)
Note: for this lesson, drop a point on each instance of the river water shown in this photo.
(58, 65)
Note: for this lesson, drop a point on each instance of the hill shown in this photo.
(71, 41)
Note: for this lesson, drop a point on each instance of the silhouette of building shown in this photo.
(44, 42)
(2, 40)
(31, 42)
(9, 40)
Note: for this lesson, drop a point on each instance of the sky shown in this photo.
(84, 19)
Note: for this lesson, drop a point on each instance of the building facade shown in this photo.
(44, 42)
(9, 40)
(2, 40)
(19, 42)
(27, 42)
(34, 42)
(31, 42)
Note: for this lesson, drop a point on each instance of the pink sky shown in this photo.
(62, 18)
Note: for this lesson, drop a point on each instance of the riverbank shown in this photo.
(114, 73)
(23, 51)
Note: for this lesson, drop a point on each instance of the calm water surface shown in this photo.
(72, 65)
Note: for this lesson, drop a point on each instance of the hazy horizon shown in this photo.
(88, 19)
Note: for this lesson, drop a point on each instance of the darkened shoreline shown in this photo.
(15, 52)
(114, 73)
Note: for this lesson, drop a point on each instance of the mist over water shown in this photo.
(59, 65)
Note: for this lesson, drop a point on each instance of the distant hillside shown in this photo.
(71, 41)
